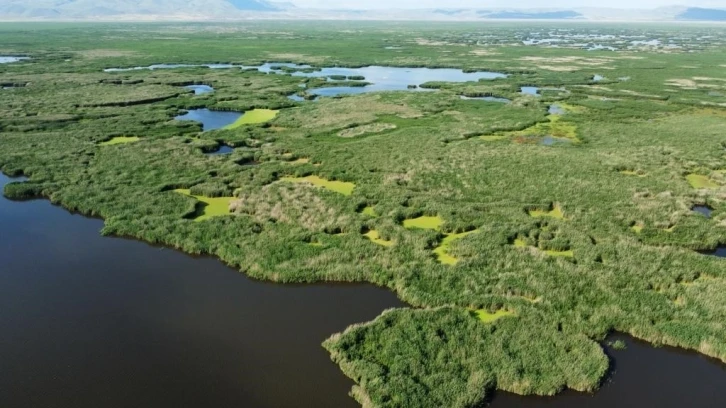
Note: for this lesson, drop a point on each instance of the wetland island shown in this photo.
(359, 213)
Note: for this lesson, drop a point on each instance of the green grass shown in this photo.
(493, 138)
(212, 206)
(120, 140)
(700, 181)
(252, 117)
(341, 187)
(632, 173)
(424, 222)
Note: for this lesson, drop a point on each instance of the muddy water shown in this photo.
(92, 321)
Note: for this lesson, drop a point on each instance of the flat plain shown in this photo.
(523, 217)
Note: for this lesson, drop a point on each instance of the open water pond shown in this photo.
(90, 321)
(200, 89)
(529, 90)
(703, 209)
(643, 376)
(9, 59)
(223, 149)
(210, 119)
(718, 252)
(556, 110)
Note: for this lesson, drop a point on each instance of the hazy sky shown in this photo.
(483, 4)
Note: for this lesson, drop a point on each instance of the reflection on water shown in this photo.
(210, 119)
(556, 110)
(90, 321)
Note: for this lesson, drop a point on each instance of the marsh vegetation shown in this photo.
(592, 234)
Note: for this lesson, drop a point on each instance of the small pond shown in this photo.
(529, 90)
(597, 78)
(211, 119)
(552, 141)
(703, 209)
(556, 110)
(485, 98)
(9, 59)
(222, 149)
(109, 322)
(200, 89)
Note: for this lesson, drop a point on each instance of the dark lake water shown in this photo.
(88, 321)
(643, 377)
(702, 209)
(200, 89)
(719, 252)
(210, 119)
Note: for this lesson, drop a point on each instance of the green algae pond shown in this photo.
(210, 206)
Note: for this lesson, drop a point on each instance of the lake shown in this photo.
(380, 78)
(90, 321)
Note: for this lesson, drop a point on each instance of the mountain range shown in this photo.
(201, 10)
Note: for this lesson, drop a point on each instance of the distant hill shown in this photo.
(548, 15)
(702, 14)
(253, 5)
(158, 9)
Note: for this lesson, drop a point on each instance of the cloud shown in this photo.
(510, 4)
